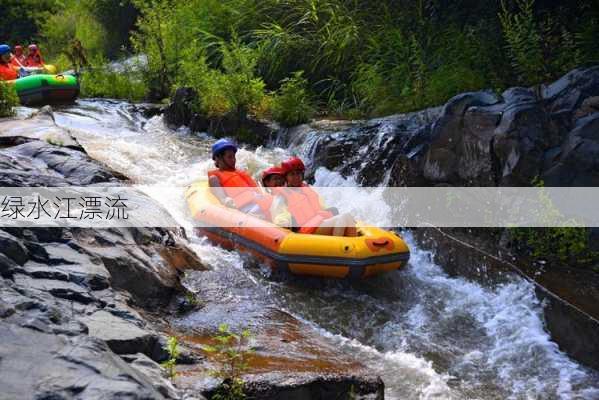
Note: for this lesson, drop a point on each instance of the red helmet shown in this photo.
(293, 164)
(18, 49)
(272, 171)
(32, 47)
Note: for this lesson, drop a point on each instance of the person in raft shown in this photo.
(7, 70)
(34, 58)
(235, 188)
(18, 58)
(298, 204)
(273, 177)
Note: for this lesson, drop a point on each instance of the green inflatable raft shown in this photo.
(47, 89)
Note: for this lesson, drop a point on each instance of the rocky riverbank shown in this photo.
(86, 313)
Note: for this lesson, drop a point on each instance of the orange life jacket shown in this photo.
(233, 183)
(304, 205)
(8, 72)
(17, 62)
(34, 60)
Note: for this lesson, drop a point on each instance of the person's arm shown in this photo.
(219, 192)
(280, 214)
(332, 210)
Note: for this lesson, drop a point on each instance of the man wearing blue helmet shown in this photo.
(7, 71)
(233, 187)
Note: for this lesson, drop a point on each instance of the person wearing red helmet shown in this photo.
(273, 177)
(305, 206)
(235, 188)
(34, 58)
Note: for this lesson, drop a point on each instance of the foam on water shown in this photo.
(494, 333)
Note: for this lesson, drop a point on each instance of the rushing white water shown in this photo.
(428, 335)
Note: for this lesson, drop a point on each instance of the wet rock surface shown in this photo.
(476, 139)
(73, 300)
(289, 360)
(63, 299)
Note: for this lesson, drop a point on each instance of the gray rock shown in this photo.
(76, 167)
(133, 266)
(64, 290)
(13, 248)
(46, 366)
(8, 267)
(476, 139)
(154, 372)
(578, 163)
(122, 336)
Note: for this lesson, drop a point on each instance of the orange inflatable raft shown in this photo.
(373, 252)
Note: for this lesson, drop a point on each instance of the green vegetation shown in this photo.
(565, 244)
(229, 350)
(173, 352)
(343, 57)
(356, 58)
(8, 99)
(192, 299)
(101, 25)
(292, 104)
(100, 81)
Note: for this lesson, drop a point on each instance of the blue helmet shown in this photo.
(222, 145)
(4, 49)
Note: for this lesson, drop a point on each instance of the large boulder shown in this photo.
(459, 147)
(578, 162)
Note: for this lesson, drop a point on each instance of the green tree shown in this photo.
(161, 37)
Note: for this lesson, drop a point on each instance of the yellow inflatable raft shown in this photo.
(373, 252)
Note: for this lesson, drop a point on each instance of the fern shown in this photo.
(523, 40)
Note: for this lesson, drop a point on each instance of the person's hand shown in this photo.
(229, 202)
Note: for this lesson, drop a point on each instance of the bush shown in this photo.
(8, 99)
(371, 90)
(244, 90)
(449, 80)
(207, 82)
(562, 245)
(234, 88)
(20, 19)
(540, 47)
(292, 104)
(101, 81)
(172, 347)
